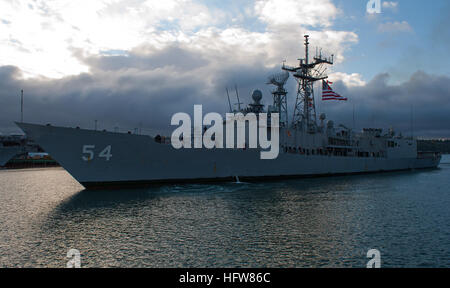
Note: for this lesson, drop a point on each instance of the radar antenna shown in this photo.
(280, 96)
(306, 74)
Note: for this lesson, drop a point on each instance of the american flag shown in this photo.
(329, 94)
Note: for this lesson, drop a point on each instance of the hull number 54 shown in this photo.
(89, 153)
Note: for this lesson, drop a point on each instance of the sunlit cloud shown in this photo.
(296, 12)
(390, 5)
(395, 27)
(350, 80)
(38, 36)
(41, 37)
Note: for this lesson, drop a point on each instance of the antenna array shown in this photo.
(307, 73)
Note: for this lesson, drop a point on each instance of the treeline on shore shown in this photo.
(442, 146)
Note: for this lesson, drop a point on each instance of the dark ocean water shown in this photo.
(327, 222)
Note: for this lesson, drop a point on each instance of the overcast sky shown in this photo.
(133, 63)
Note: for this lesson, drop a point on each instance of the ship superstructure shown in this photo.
(308, 146)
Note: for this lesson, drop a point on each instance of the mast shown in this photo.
(354, 126)
(237, 95)
(307, 74)
(229, 102)
(280, 96)
(412, 122)
(21, 106)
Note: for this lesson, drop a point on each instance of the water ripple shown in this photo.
(326, 222)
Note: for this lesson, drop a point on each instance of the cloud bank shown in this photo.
(132, 95)
(131, 64)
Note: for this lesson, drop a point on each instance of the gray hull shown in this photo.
(136, 159)
(7, 153)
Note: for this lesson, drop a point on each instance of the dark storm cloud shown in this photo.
(148, 88)
(132, 91)
(422, 102)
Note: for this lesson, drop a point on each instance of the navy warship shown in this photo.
(308, 146)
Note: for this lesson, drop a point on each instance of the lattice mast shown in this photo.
(307, 73)
(280, 96)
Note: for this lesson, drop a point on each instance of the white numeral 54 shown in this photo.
(88, 150)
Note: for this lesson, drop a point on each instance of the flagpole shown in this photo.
(354, 127)
(412, 122)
